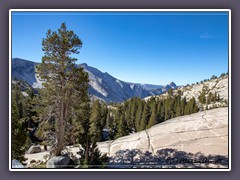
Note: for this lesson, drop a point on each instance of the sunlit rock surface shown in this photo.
(192, 137)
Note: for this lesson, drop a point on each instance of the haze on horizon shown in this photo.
(151, 48)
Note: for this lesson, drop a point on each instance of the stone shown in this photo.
(34, 149)
(36, 157)
(202, 134)
(32, 161)
(59, 162)
(17, 164)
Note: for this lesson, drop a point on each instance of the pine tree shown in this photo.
(177, 106)
(95, 158)
(168, 108)
(195, 106)
(201, 97)
(145, 117)
(104, 113)
(127, 110)
(180, 92)
(18, 134)
(222, 75)
(122, 129)
(18, 97)
(95, 122)
(213, 77)
(116, 117)
(170, 92)
(191, 106)
(160, 111)
(153, 117)
(82, 117)
(210, 98)
(133, 110)
(138, 115)
(109, 124)
(65, 83)
(183, 105)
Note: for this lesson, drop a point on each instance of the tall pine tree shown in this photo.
(65, 83)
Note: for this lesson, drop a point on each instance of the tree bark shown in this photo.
(62, 118)
(60, 132)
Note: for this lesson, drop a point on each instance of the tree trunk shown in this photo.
(62, 117)
(60, 132)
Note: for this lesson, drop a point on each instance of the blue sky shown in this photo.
(140, 47)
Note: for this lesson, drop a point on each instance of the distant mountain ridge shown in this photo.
(102, 86)
(147, 87)
(164, 89)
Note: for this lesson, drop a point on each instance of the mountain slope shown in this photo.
(110, 89)
(24, 70)
(101, 86)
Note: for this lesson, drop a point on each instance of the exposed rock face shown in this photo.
(59, 162)
(17, 164)
(219, 85)
(110, 89)
(34, 149)
(41, 157)
(203, 134)
(24, 70)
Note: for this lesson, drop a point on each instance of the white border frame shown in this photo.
(123, 10)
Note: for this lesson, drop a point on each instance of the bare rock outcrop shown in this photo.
(193, 137)
(218, 85)
(59, 162)
(34, 149)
